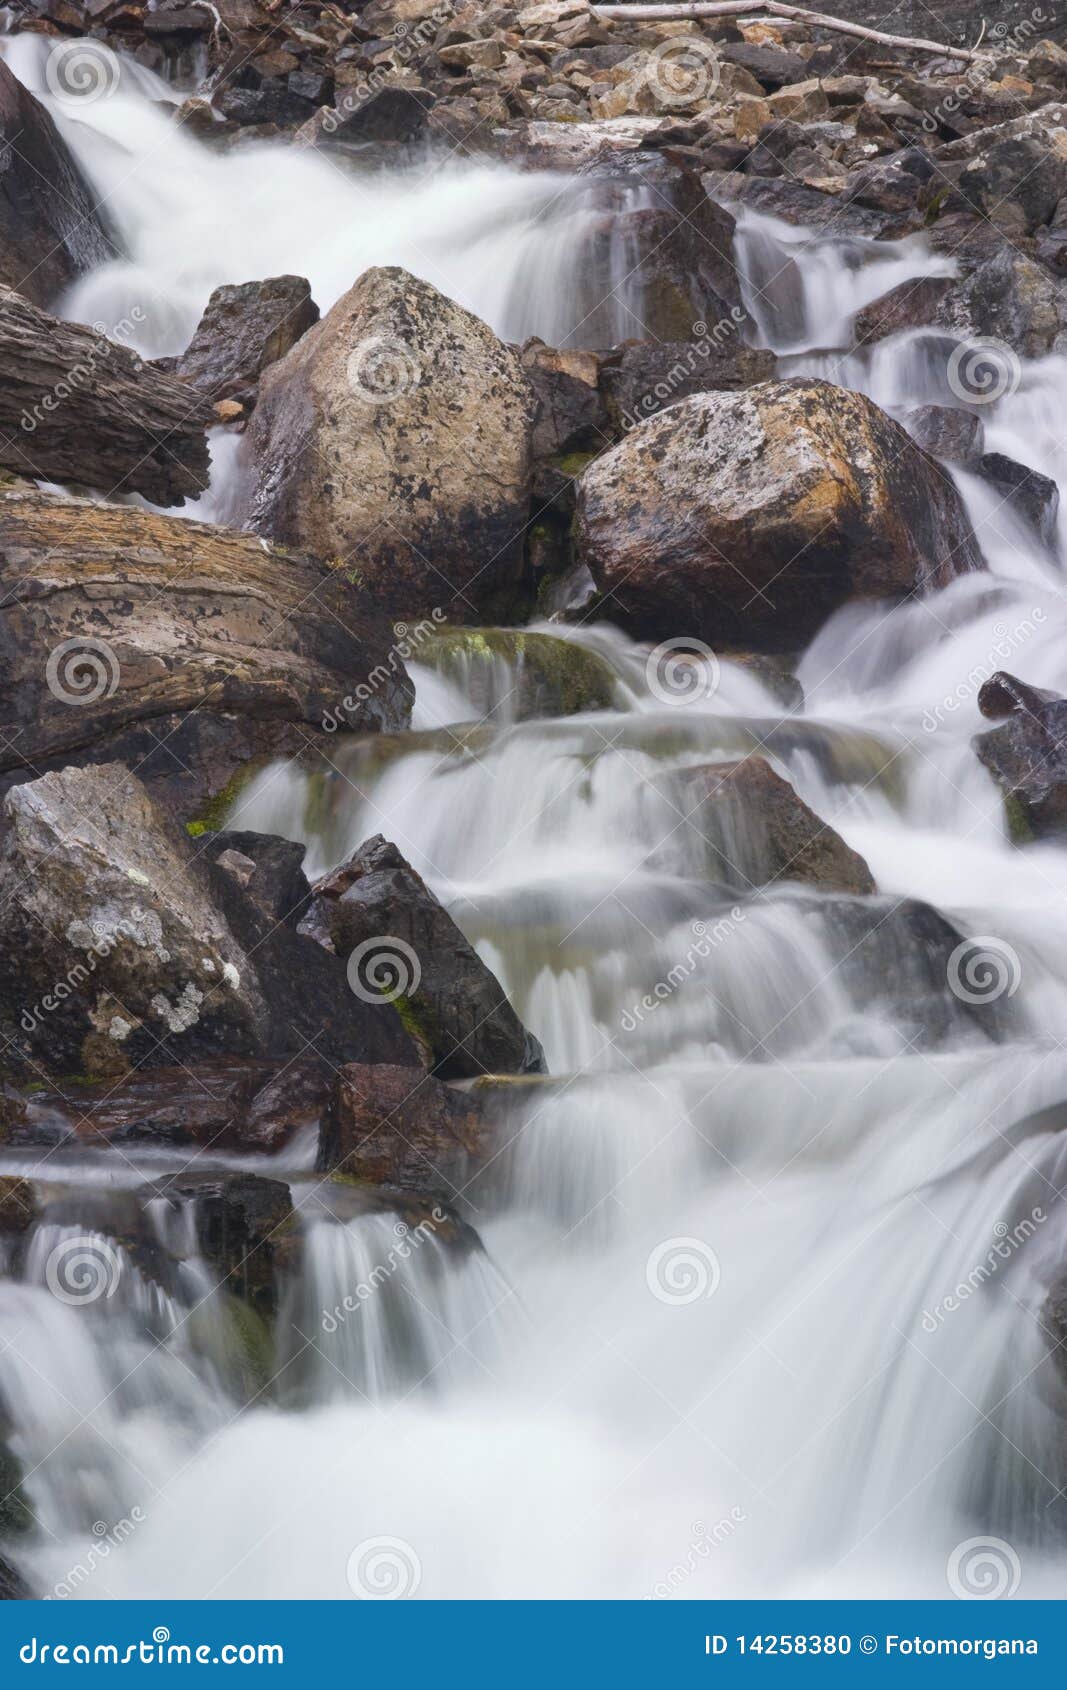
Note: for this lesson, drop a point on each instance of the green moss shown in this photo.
(217, 810)
(572, 463)
(554, 677)
(1020, 831)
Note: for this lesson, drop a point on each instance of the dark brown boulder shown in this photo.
(643, 377)
(232, 1103)
(403, 947)
(50, 229)
(756, 830)
(245, 327)
(1004, 694)
(747, 518)
(1027, 757)
(78, 407)
(402, 1128)
(1032, 497)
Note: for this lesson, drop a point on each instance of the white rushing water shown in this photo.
(758, 1308)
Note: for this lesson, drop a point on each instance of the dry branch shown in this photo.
(778, 8)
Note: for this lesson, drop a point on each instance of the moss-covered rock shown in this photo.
(516, 673)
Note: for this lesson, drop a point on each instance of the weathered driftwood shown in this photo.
(778, 8)
(78, 407)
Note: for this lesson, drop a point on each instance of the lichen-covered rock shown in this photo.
(402, 945)
(747, 518)
(756, 830)
(111, 953)
(394, 439)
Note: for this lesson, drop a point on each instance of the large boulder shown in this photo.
(186, 650)
(403, 947)
(244, 328)
(754, 830)
(747, 518)
(76, 406)
(119, 951)
(50, 229)
(394, 439)
(402, 1128)
(111, 952)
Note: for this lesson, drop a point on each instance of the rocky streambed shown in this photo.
(532, 802)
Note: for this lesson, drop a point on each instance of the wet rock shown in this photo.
(1027, 757)
(571, 415)
(112, 619)
(312, 1005)
(13, 1587)
(229, 1104)
(1004, 694)
(1017, 175)
(899, 955)
(397, 434)
(270, 103)
(747, 518)
(111, 953)
(1032, 497)
(683, 244)
(238, 1222)
(516, 674)
(51, 231)
(244, 328)
(402, 946)
(18, 1204)
(401, 1128)
(911, 305)
(78, 407)
(756, 830)
(642, 377)
(770, 65)
(952, 435)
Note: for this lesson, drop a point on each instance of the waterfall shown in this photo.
(761, 1262)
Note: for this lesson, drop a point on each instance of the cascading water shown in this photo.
(753, 1304)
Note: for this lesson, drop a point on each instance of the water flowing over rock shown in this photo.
(51, 229)
(747, 518)
(757, 830)
(400, 941)
(78, 407)
(183, 647)
(394, 440)
(1027, 757)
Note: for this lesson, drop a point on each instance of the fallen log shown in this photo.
(77, 407)
(677, 13)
